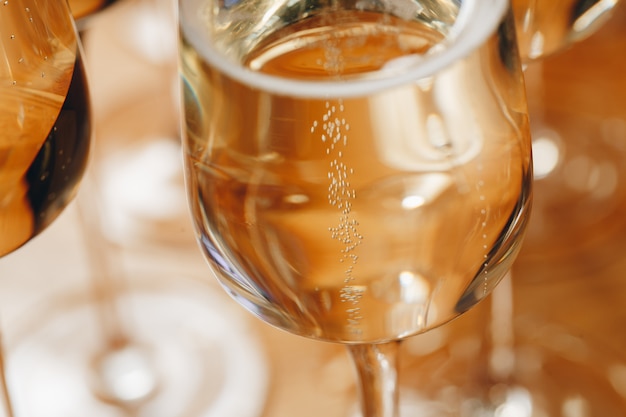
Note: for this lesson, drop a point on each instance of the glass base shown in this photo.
(191, 354)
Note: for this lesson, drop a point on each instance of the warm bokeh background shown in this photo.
(568, 288)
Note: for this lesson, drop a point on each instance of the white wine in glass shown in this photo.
(45, 123)
(45, 127)
(357, 172)
(137, 337)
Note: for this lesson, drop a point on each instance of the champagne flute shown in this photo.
(357, 172)
(45, 124)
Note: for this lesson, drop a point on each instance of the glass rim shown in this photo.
(476, 21)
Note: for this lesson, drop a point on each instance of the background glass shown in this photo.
(45, 124)
(542, 353)
(45, 121)
(115, 329)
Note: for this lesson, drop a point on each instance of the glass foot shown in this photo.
(190, 354)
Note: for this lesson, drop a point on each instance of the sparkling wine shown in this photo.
(547, 26)
(357, 217)
(43, 152)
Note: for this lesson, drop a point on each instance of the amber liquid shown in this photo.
(348, 219)
(39, 176)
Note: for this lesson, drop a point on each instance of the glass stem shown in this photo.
(4, 386)
(377, 378)
(502, 356)
(106, 279)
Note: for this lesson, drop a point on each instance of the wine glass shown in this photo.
(45, 118)
(577, 102)
(357, 172)
(535, 352)
(573, 97)
(45, 124)
(135, 332)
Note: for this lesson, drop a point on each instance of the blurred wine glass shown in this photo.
(357, 173)
(576, 100)
(577, 104)
(45, 122)
(135, 334)
(46, 126)
(535, 359)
